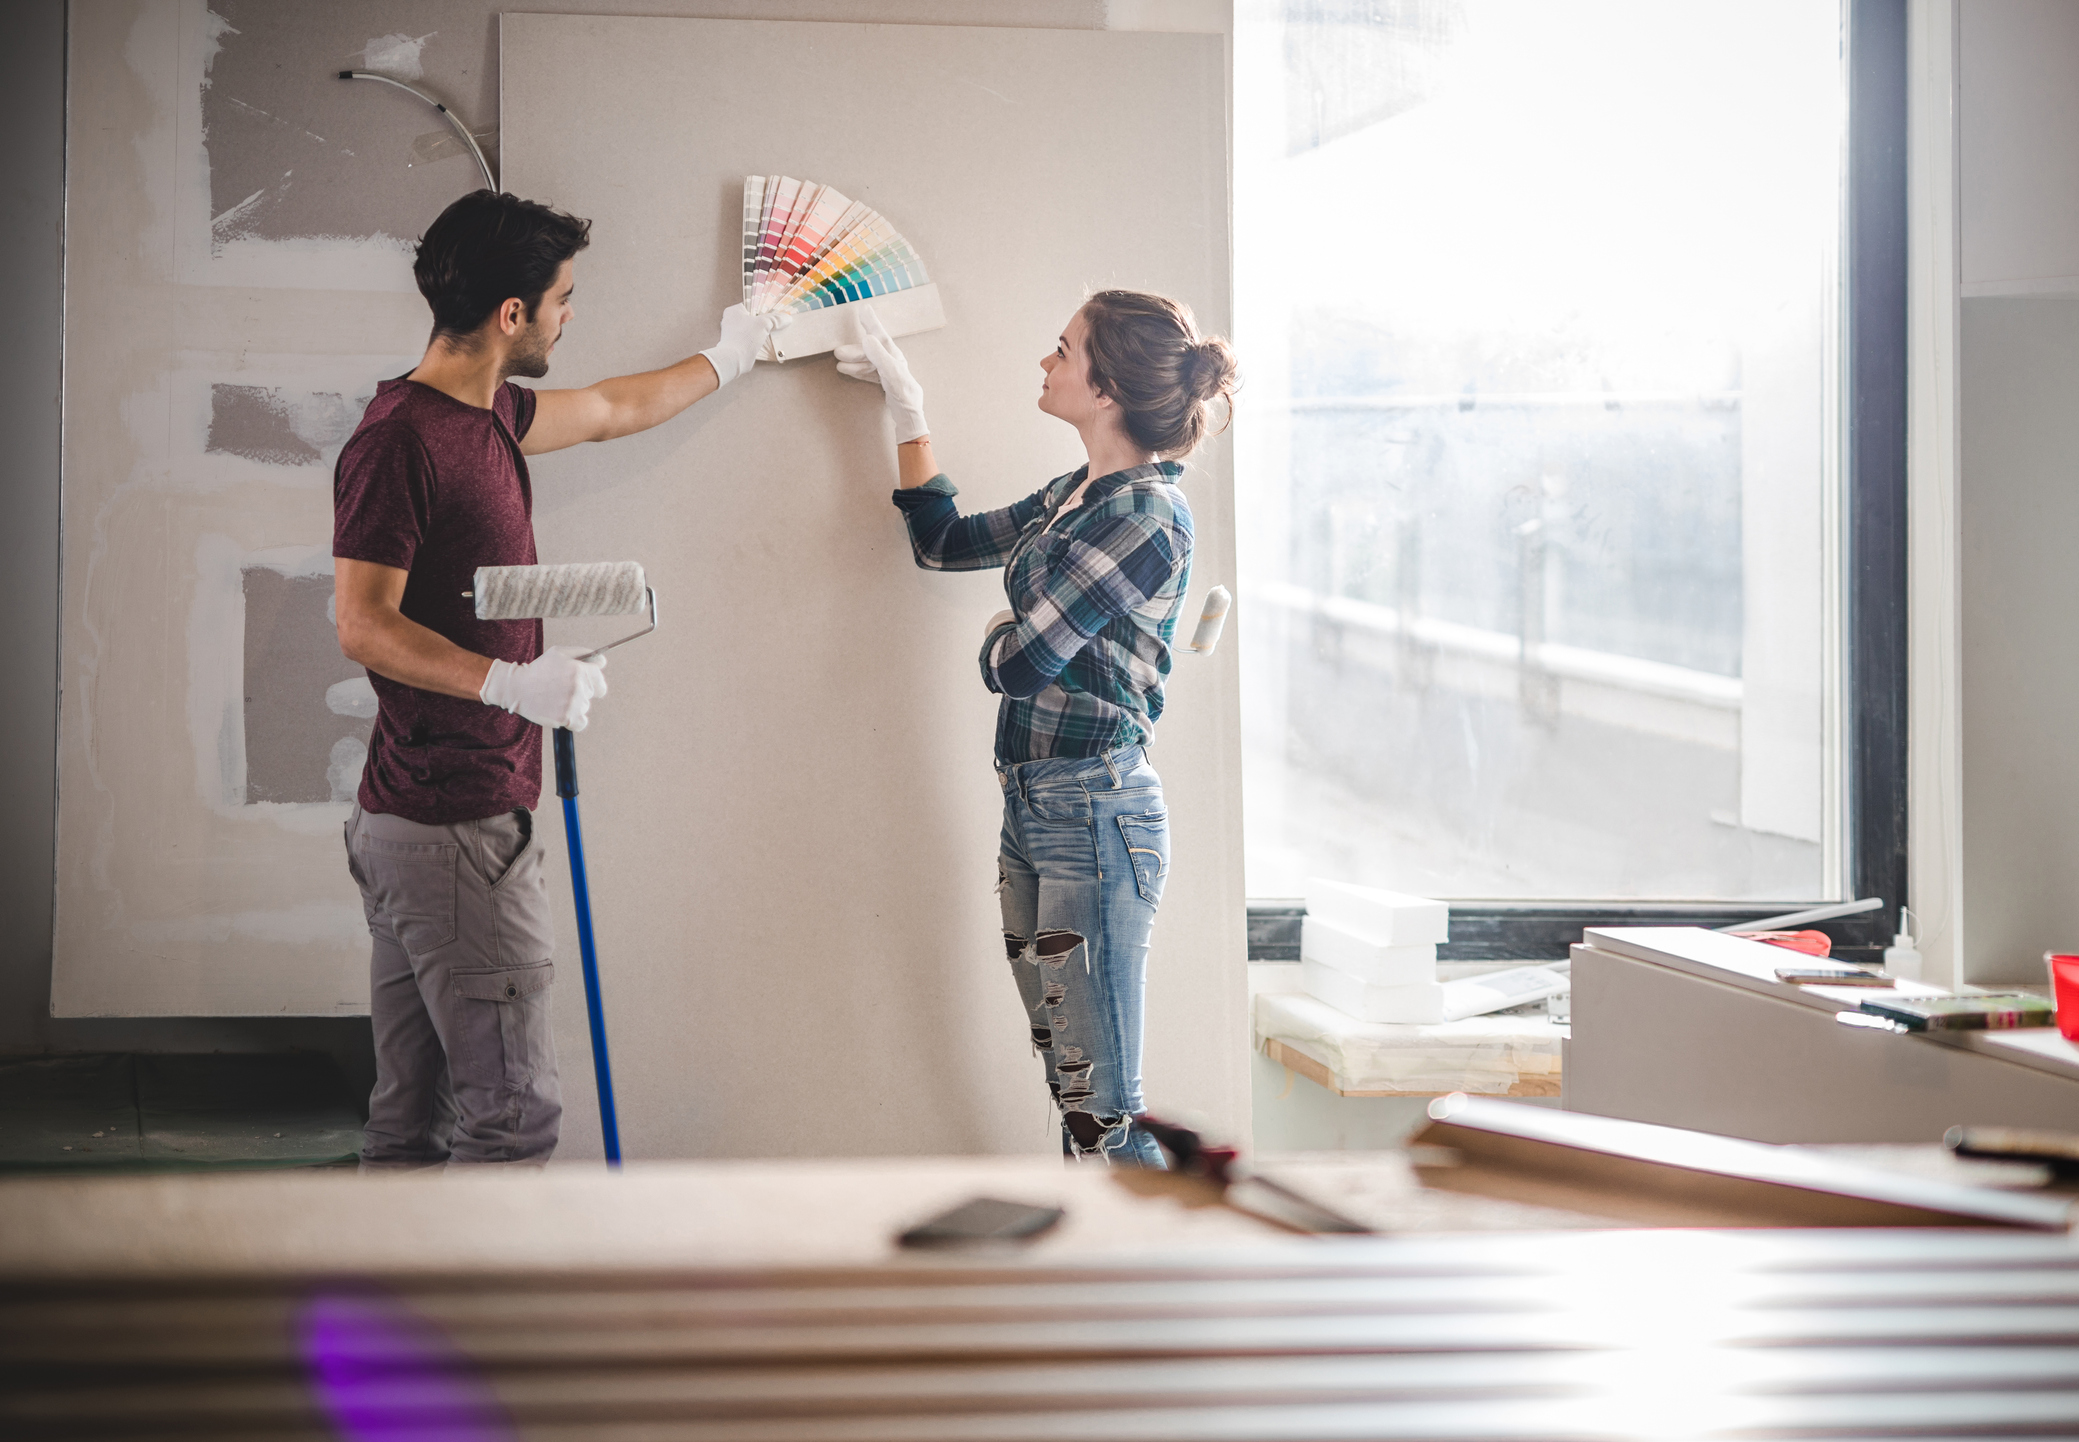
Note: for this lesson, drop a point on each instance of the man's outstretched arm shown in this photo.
(627, 404)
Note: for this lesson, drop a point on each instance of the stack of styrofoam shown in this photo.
(1372, 954)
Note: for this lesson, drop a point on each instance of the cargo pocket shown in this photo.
(503, 1026)
(413, 884)
(1147, 847)
(512, 984)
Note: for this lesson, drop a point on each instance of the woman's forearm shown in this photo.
(914, 463)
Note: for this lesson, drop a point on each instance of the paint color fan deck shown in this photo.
(811, 251)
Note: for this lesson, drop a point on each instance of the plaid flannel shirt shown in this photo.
(1096, 598)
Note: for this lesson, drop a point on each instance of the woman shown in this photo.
(1096, 564)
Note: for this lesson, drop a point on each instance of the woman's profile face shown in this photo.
(1065, 390)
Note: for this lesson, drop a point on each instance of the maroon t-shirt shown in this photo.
(435, 487)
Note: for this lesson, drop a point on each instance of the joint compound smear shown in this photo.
(397, 55)
(280, 427)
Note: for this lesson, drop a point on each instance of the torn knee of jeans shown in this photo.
(1054, 944)
(1014, 946)
(1042, 1038)
(1095, 1135)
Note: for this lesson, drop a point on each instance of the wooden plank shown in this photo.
(1569, 1335)
(620, 1395)
(1641, 1409)
(52, 1329)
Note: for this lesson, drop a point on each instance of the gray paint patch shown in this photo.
(297, 747)
(296, 153)
(280, 427)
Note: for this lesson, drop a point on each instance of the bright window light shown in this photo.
(1538, 456)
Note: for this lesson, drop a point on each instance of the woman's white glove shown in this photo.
(743, 336)
(876, 358)
(556, 688)
(1001, 618)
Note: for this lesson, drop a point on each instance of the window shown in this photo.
(1571, 466)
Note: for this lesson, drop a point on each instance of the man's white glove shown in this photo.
(875, 357)
(556, 688)
(743, 336)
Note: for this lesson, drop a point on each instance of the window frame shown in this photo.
(1874, 579)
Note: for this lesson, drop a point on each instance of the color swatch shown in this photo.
(808, 247)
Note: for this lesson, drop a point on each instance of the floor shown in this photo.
(120, 1112)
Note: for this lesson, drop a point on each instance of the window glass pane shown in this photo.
(1538, 301)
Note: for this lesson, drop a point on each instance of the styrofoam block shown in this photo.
(1362, 957)
(1423, 1002)
(1387, 917)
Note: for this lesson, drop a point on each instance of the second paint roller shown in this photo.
(540, 593)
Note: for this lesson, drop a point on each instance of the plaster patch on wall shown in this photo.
(298, 747)
(214, 28)
(397, 55)
(343, 769)
(258, 418)
(354, 697)
(278, 426)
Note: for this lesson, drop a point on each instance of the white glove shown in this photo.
(875, 357)
(1001, 618)
(743, 336)
(556, 688)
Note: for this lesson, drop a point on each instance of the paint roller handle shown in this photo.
(566, 761)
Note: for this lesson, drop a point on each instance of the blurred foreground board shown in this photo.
(660, 1304)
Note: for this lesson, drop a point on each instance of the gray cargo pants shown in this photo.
(465, 1066)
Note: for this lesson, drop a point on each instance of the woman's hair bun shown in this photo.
(1214, 370)
(1147, 355)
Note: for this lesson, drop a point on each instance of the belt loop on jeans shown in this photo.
(1107, 758)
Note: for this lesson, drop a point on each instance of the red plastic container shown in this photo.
(2064, 991)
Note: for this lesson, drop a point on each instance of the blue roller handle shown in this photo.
(602, 1070)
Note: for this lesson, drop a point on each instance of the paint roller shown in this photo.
(1211, 620)
(531, 593)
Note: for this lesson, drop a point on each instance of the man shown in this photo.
(432, 485)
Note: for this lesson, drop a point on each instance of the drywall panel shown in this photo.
(2019, 515)
(2020, 167)
(792, 810)
(198, 863)
(217, 358)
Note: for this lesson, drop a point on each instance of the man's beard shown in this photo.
(530, 359)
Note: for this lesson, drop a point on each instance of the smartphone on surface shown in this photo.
(984, 1219)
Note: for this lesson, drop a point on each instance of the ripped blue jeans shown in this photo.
(1084, 856)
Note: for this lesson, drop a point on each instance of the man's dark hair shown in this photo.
(487, 248)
